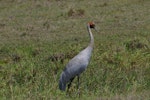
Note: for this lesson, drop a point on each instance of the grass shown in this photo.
(38, 38)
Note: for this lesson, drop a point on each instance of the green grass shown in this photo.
(38, 38)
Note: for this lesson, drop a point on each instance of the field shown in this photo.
(39, 37)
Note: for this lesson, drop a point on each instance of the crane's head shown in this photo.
(91, 25)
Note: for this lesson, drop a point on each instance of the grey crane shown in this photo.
(78, 63)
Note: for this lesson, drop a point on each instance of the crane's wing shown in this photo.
(79, 63)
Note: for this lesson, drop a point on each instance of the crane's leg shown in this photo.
(69, 85)
(78, 85)
(78, 82)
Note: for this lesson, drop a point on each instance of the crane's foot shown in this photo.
(70, 91)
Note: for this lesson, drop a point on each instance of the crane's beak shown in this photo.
(95, 29)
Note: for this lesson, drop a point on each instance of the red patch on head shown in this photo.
(92, 25)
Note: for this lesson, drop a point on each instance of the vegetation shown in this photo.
(38, 38)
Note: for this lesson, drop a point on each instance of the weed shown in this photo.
(76, 13)
(135, 44)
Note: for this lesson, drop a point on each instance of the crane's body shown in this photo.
(77, 64)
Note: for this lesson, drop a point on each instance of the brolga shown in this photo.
(77, 64)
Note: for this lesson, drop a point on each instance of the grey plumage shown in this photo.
(77, 64)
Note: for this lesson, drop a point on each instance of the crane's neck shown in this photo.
(91, 44)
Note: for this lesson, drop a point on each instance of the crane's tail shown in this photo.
(62, 85)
